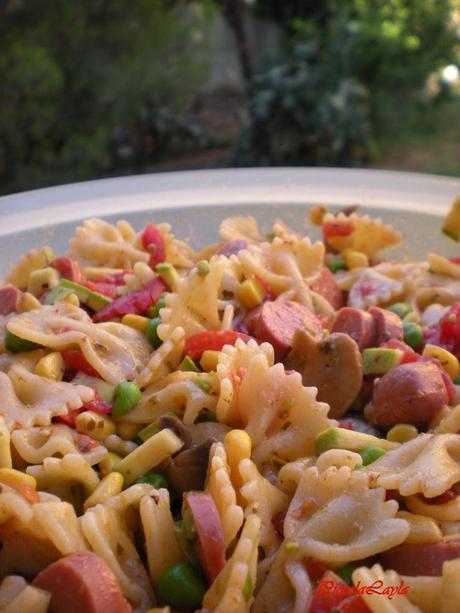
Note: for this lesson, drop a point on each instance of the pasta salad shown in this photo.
(268, 424)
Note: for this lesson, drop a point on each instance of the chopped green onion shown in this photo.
(204, 385)
(188, 364)
(182, 587)
(292, 546)
(413, 335)
(155, 310)
(17, 345)
(337, 264)
(156, 479)
(247, 587)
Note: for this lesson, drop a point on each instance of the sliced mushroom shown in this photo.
(333, 365)
(187, 470)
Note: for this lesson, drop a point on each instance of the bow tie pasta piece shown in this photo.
(366, 235)
(28, 359)
(266, 498)
(219, 485)
(240, 227)
(117, 352)
(428, 464)
(178, 253)
(232, 362)
(13, 505)
(56, 440)
(163, 360)
(372, 288)
(232, 590)
(285, 586)
(161, 541)
(187, 398)
(16, 595)
(27, 399)
(195, 304)
(69, 478)
(336, 518)
(109, 535)
(59, 524)
(100, 243)
(33, 260)
(384, 599)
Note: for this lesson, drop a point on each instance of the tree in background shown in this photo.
(82, 84)
(350, 68)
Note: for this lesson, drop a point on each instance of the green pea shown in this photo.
(155, 310)
(203, 268)
(156, 479)
(345, 573)
(370, 454)
(401, 309)
(337, 264)
(17, 345)
(182, 587)
(152, 332)
(413, 335)
(125, 397)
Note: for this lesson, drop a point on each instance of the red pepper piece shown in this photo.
(334, 595)
(409, 355)
(153, 243)
(137, 302)
(315, 568)
(211, 340)
(98, 405)
(337, 228)
(69, 269)
(74, 359)
(69, 419)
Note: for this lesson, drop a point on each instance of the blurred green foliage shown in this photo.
(83, 84)
(353, 71)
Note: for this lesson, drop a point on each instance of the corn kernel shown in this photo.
(42, 280)
(449, 423)
(27, 302)
(51, 366)
(106, 465)
(355, 259)
(251, 293)
(71, 298)
(128, 431)
(94, 425)
(316, 215)
(111, 485)
(136, 321)
(238, 446)
(448, 361)
(401, 433)
(422, 529)
(209, 360)
(16, 478)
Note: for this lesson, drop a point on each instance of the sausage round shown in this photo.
(9, 297)
(387, 325)
(421, 559)
(276, 323)
(326, 285)
(358, 324)
(410, 393)
(82, 583)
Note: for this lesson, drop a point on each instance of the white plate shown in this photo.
(195, 202)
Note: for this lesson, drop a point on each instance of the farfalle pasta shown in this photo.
(167, 444)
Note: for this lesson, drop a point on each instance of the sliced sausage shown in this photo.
(326, 285)
(232, 247)
(82, 583)
(387, 325)
(277, 321)
(410, 393)
(358, 324)
(421, 559)
(69, 269)
(9, 298)
(333, 365)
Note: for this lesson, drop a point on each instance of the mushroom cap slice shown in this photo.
(333, 365)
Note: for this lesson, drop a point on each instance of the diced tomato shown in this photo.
(278, 523)
(443, 498)
(211, 340)
(455, 260)
(333, 594)
(69, 419)
(98, 405)
(327, 286)
(69, 269)
(337, 228)
(409, 355)
(74, 359)
(29, 493)
(116, 278)
(153, 243)
(210, 544)
(137, 302)
(315, 568)
(85, 443)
